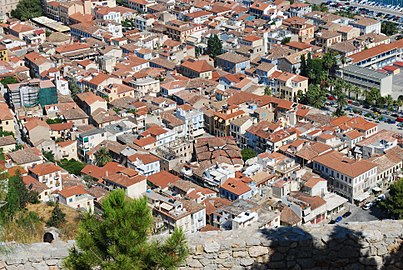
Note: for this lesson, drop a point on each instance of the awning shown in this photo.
(377, 189)
(362, 197)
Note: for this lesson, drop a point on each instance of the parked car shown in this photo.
(346, 214)
(381, 197)
(338, 219)
(367, 205)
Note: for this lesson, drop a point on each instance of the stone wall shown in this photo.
(372, 245)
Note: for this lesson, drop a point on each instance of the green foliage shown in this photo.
(118, 239)
(102, 157)
(54, 121)
(346, 13)
(57, 217)
(9, 80)
(268, 91)
(72, 166)
(394, 203)
(27, 9)
(214, 46)
(89, 180)
(315, 96)
(373, 96)
(321, 7)
(248, 153)
(318, 69)
(5, 133)
(285, 40)
(49, 155)
(74, 88)
(16, 199)
(389, 28)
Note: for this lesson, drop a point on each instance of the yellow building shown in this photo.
(3, 53)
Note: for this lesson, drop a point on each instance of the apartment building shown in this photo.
(287, 85)
(366, 25)
(76, 197)
(367, 78)
(145, 164)
(379, 56)
(300, 27)
(90, 139)
(347, 177)
(49, 174)
(196, 69)
(32, 93)
(232, 62)
(193, 120)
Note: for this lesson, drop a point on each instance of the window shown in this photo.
(71, 200)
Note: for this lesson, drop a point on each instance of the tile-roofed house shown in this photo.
(48, 173)
(77, 197)
(7, 143)
(145, 164)
(289, 218)
(134, 186)
(214, 149)
(32, 184)
(196, 68)
(162, 180)
(25, 157)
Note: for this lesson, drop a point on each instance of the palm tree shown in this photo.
(348, 88)
(268, 91)
(102, 157)
(389, 100)
(357, 91)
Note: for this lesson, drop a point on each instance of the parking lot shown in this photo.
(360, 215)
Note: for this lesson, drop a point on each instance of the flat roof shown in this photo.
(51, 24)
(365, 72)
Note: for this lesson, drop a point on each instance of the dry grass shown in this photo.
(21, 234)
(68, 229)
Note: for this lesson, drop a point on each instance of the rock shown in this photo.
(51, 262)
(247, 262)
(253, 241)
(372, 261)
(382, 250)
(372, 236)
(210, 247)
(239, 254)
(40, 266)
(199, 249)
(223, 255)
(257, 251)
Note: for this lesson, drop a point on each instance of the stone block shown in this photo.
(240, 254)
(51, 262)
(253, 241)
(40, 266)
(257, 251)
(194, 263)
(211, 247)
(246, 261)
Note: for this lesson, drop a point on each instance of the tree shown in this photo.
(27, 9)
(214, 46)
(285, 40)
(74, 88)
(389, 28)
(315, 96)
(72, 166)
(49, 155)
(9, 80)
(394, 203)
(118, 239)
(102, 157)
(57, 217)
(54, 121)
(357, 91)
(268, 91)
(17, 197)
(248, 153)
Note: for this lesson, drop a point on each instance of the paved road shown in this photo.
(360, 215)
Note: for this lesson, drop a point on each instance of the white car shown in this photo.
(367, 206)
